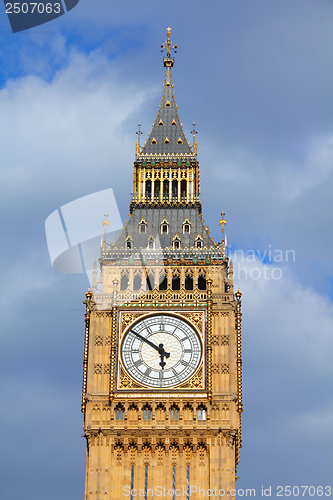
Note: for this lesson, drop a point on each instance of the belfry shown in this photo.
(162, 369)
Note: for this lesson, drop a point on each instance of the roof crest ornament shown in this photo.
(168, 44)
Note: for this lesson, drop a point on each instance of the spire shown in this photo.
(167, 138)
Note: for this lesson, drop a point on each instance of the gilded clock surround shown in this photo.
(128, 320)
(164, 262)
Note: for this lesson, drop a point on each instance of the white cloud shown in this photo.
(280, 180)
(292, 322)
(60, 133)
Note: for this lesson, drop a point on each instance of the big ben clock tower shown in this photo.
(162, 369)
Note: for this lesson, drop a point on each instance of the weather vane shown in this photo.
(168, 44)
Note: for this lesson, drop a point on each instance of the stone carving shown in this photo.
(132, 450)
(174, 452)
(98, 368)
(98, 340)
(195, 318)
(146, 453)
(201, 453)
(188, 453)
(126, 319)
(118, 451)
(195, 382)
(125, 382)
(160, 452)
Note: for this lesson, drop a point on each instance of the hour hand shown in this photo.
(160, 349)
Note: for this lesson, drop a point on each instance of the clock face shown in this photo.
(161, 351)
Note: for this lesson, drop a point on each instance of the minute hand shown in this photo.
(159, 348)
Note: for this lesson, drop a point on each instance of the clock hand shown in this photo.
(160, 349)
(154, 346)
(162, 355)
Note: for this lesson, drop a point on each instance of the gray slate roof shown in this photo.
(154, 218)
(171, 130)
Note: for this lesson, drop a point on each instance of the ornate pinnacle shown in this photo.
(223, 221)
(168, 44)
(139, 133)
(105, 222)
(194, 132)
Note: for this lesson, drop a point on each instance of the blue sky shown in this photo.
(256, 76)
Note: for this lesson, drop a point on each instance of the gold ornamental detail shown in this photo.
(128, 318)
(195, 382)
(195, 318)
(125, 382)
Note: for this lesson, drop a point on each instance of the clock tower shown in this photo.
(162, 369)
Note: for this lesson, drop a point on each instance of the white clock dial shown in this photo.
(161, 350)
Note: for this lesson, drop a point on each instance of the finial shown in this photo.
(224, 242)
(194, 132)
(105, 222)
(139, 133)
(168, 44)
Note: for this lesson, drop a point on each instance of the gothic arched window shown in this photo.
(164, 226)
(188, 282)
(137, 282)
(128, 243)
(151, 243)
(120, 412)
(174, 412)
(146, 410)
(202, 282)
(198, 242)
(142, 227)
(176, 243)
(202, 412)
(186, 226)
(123, 282)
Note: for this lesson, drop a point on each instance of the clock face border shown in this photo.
(127, 320)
